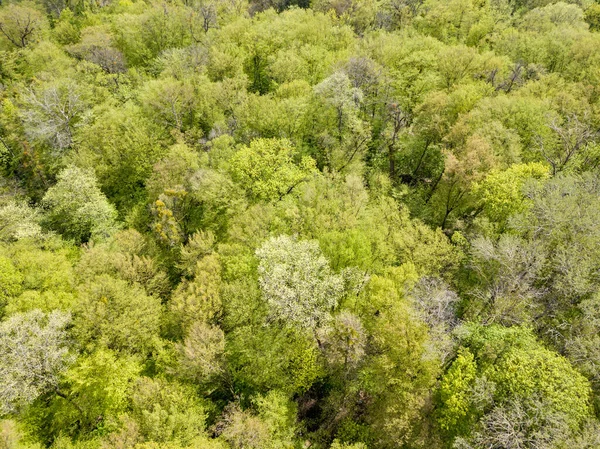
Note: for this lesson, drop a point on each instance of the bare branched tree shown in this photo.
(518, 425)
(435, 304)
(573, 135)
(51, 114)
(508, 271)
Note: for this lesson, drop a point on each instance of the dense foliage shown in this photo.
(283, 224)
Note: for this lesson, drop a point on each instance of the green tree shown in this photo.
(112, 313)
(261, 358)
(127, 255)
(549, 224)
(21, 25)
(121, 146)
(41, 288)
(342, 134)
(508, 272)
(10, 279)
(398, 372)
(76, 208)
(94, 44)
(198, 299)
(171, 100)
(455, 391)
(271, 426)
(502, 194)
(97, 388)
(505, 375)
(266, 169)
(166, 411)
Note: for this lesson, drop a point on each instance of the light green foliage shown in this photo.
(11, 281)
(170, 100)
(219, 199)
(340, 224)
(502, 192)
(33, 260)
(266, 169)
(272, 426)
(289, 359)
(198, 299)
(121, 146)
(198, 443)
(337, 445)
(200, 244)
(592, 16)
(76, 208)
(559, 14)
(457, 20)
(64, 442)
(143, 34)
(525, 373)
(42, 289)
(44, 300)
(243, 302)
(507, 367)
(20, 25)
(127, 255)
(173, 170)
(358, 229)
(278, 412)
(34, 352)
(396, 373)
(47, 57)
(66, 29)
(166, 411)
(98, 389)
(455, 394)
(112, 313)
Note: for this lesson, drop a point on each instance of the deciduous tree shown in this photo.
(34, 353)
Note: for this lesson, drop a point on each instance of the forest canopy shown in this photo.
(292, 224)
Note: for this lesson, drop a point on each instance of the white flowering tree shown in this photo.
(33, 354)
(297, 281)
